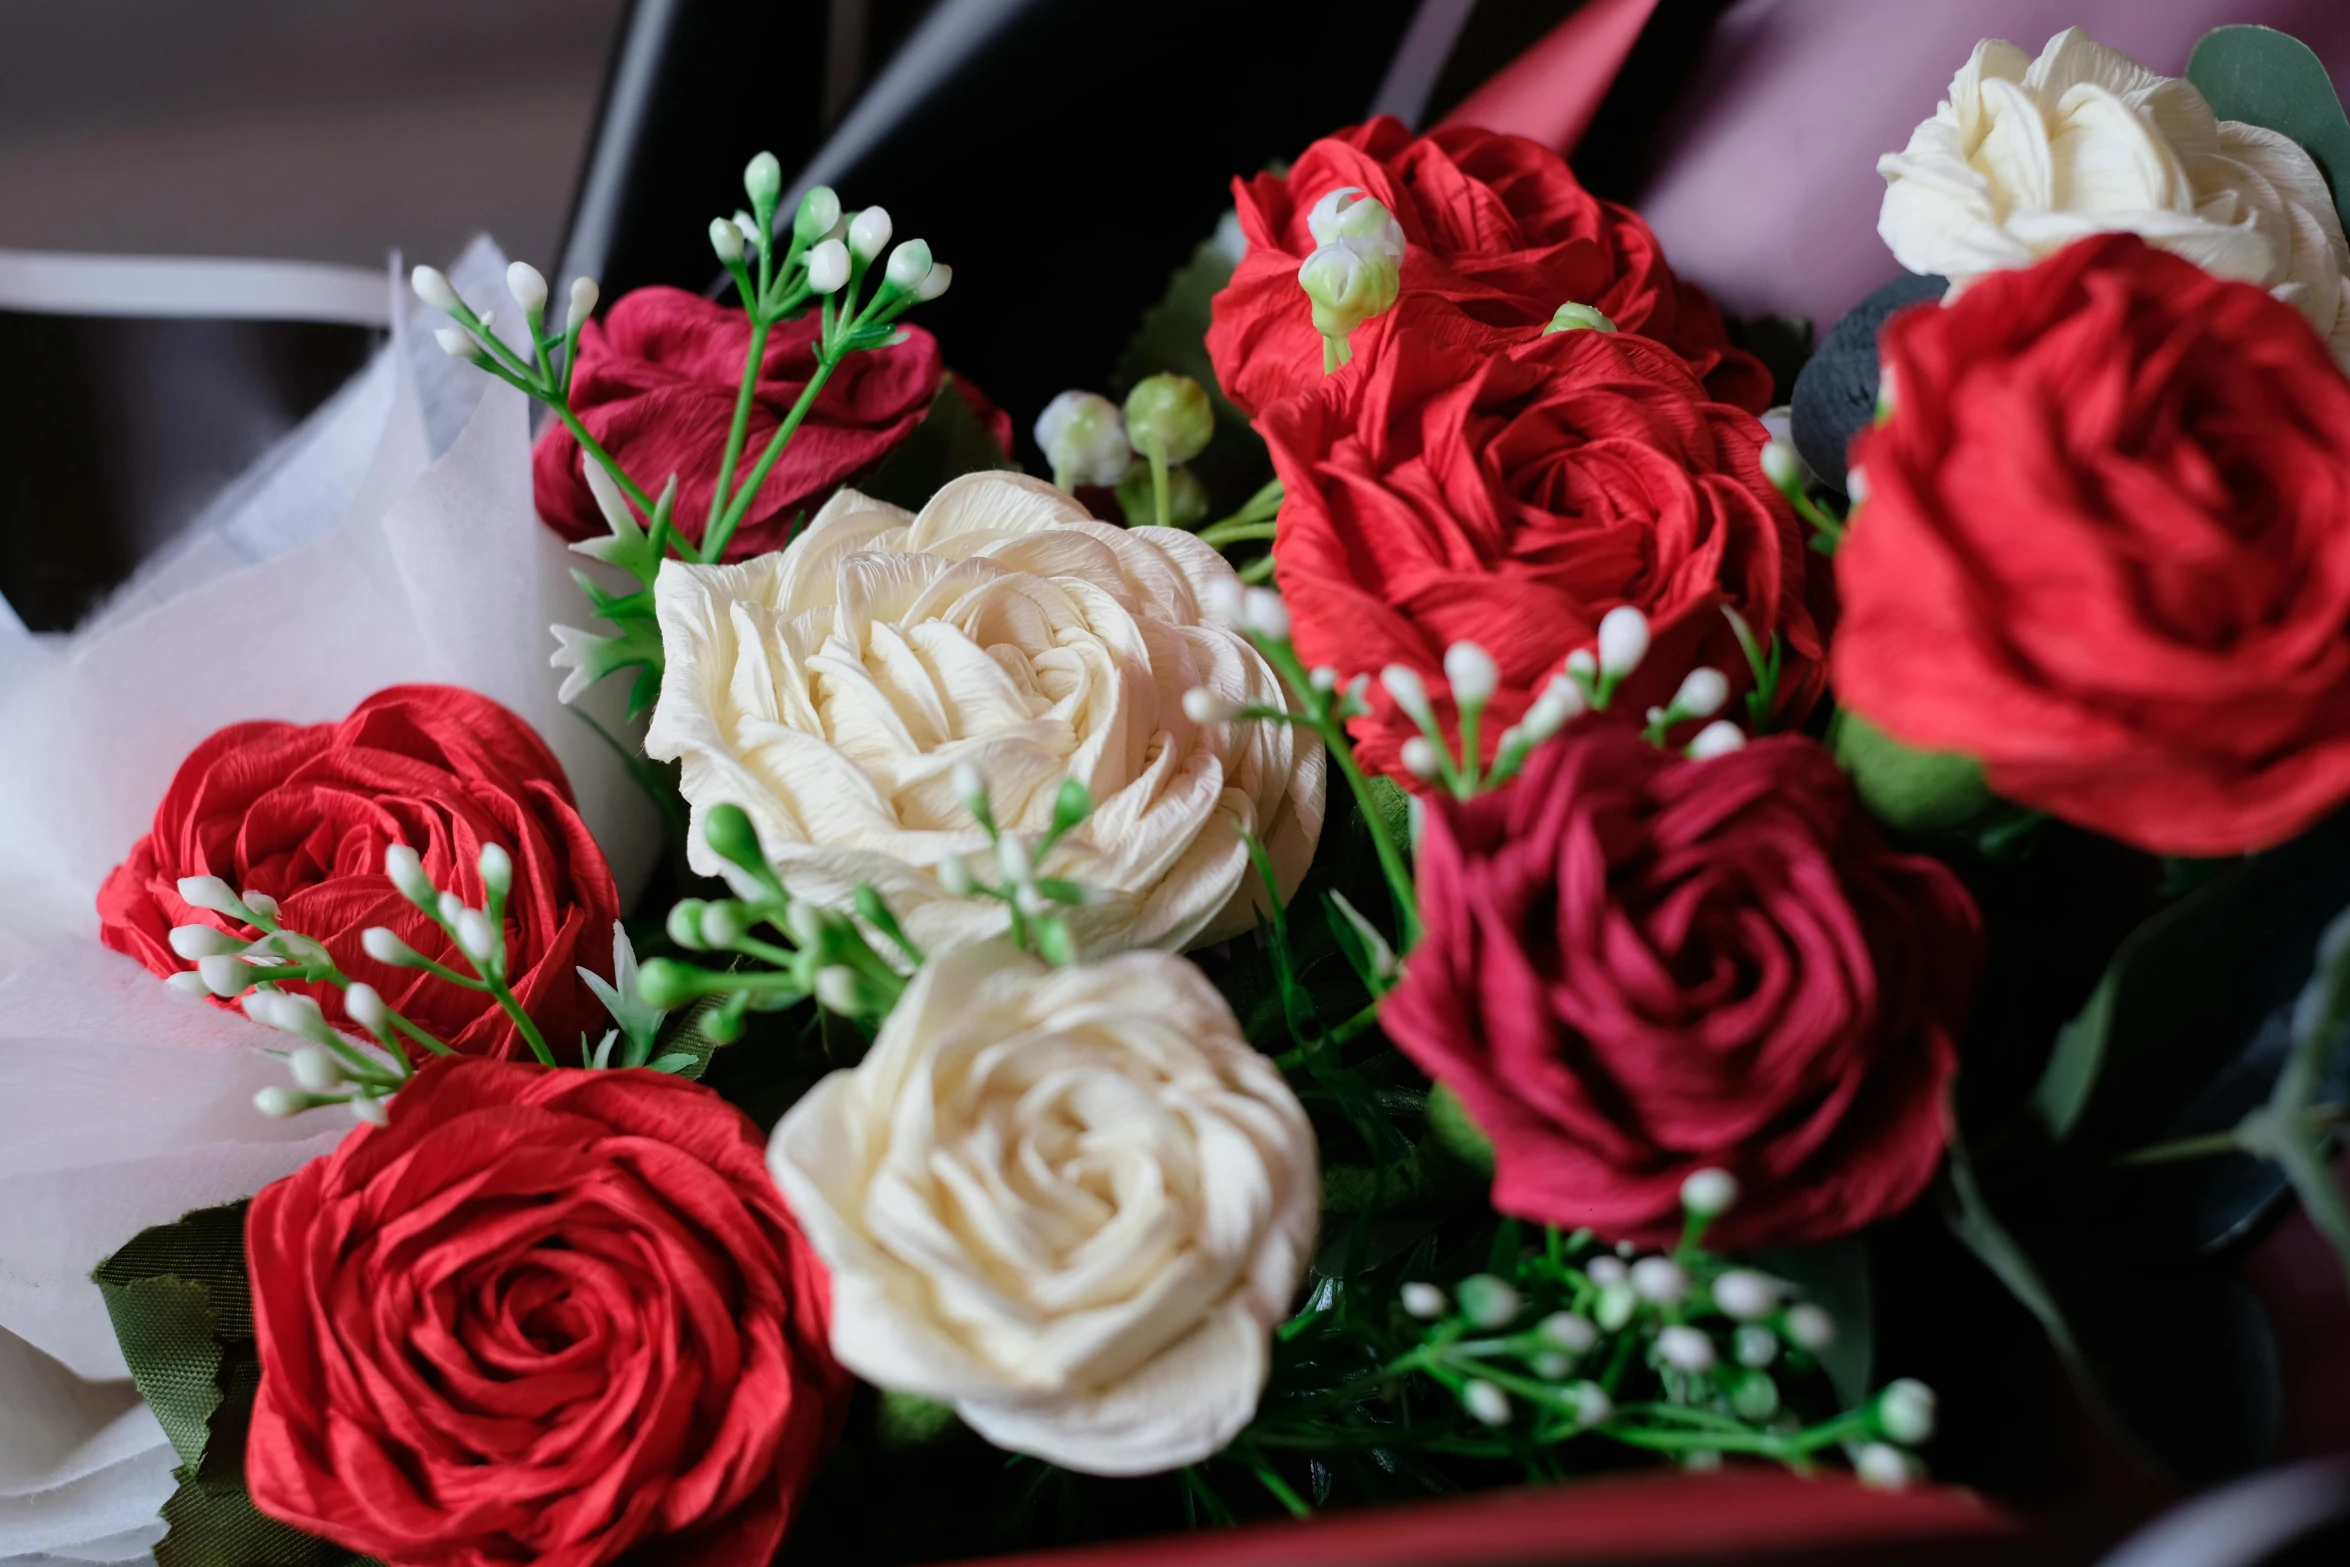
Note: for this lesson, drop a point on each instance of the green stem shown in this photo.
(1391, 863)
(740, 430)
(1162, 508)
(1281, 1491)
(2211, 1143)
(610, 464)
(1258, 571)
(529, 1030)
(721, 532)
(1223, 533)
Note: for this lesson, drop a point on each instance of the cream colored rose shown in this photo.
(2026, 156)
(1073, 1203)
(830, 690)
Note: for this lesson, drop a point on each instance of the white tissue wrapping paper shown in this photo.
(391, 538)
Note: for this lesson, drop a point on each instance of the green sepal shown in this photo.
(1907, 789)
(2273, 80)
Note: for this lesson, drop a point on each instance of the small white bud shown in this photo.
(476, 939)
(210, 892)
(497, 869)
(260, 903)
(955, 878)
(1656, 716)
(1221, 598)
(1323, 679)
(381, 944)
(1569, 1331)
(1593, 1406)
(458, 343)
(1745, 1295)
(1485, 1402)
(1881, 1467)
(584, 294)
(1905, 1412)
(869, 233)
(836, 988)
(819, 210)
(1552, 1366)
(1348, 282)
(452, 907)
(1604, 1271)
(1409, 692)
(1561, 703)
(1856, 488)
(187, 982)
(908, 265)
(1709, 1192)
(225, 976)
(432, 286)
(1583, 664)
(202, 941)
(1809, 1327)
(1782, 465)
(1083, 435)
(727, 241)
(1755, 1345)
(1685, 1349)
(364, 1005)
(748, 227)
(1263, 613)
(1011, 857)
(1623, 640)
(1718, 738)
(1702, 693)
(1031, 902)
(287, 1013)
(315, 1070)
(1487, 1301)
(1421, 759)
(969, 787)
(528, 287)
(722, 923)
(828, 266)
(1349, 213)
(1423, 1300)
(1203, 706)
(370, 1111)
(278, 1102)
(804, 923)
(1616, 1306)
(762, 179)
(406, 869)
(1471, 673)
(935, 282)
(1660, 1280)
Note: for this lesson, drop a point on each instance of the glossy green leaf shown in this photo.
(2274, 80)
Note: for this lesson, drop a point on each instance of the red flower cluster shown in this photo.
(1639, 966)
(542, 1316)
(2106, 550)
(1452, 491)
(656, 386)
(304, 812)
(1499, 235)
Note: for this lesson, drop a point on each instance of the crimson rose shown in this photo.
(542, 1316)
(1499, 235)
(304, 812)
(1450, 493)
(656, 386)
(1637, 966)
(2106, 550)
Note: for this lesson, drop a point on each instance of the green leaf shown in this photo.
(2188, 993)
(951, 440)
(2273, 80)
(1970, 1218)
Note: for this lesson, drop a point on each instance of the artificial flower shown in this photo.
(656, 386)
(1639, 966)
(1071, 1202)
(1497, 235)
(542, 1316)
(832, 690)
(1450, 494)
(2025, 156)
(2106, 550)
(304, 812)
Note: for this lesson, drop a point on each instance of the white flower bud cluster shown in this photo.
(1356, 271)
(470, 340)
(1083, 435)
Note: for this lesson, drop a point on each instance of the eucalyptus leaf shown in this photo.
(2271, 79)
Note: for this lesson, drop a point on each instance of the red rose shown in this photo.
(1513, 499)
(1499, 233)
(543, 1316)
(1638, 966)
(656, 386)
(2106, 550)
(304, 812)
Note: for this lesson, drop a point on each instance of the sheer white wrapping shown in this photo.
(389, 539)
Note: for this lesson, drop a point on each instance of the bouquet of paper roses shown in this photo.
(1382, 930)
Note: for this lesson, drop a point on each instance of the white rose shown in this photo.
(830, 691)
(1073, 1203)
(2026, 156)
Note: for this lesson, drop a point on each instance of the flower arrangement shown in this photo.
(1414, 983)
